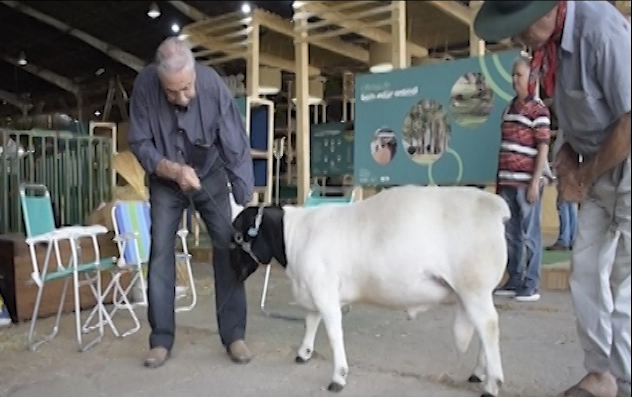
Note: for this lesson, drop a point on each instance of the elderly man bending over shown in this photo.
(188, 134)
(582, 58)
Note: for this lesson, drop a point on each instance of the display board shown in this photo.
(432, 124)
(331, 147)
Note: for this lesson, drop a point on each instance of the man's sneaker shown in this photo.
(509, 289)
(558, 247)
(527, 295)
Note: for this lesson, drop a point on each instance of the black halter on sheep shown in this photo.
(446, 241)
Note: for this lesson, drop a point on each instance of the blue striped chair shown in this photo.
(132, 227)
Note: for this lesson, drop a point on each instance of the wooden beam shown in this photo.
(253, 63)
(285, 27)
(463, 14)
(477, 46)
(115, 53)
(60, 81)
(400, 58)
(13, 99)
(358, 27)
(220, 45)
(301, 49)
(189, 11)
(456, 10)
(264, 59)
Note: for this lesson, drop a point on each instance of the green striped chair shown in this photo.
(132, 226)
(41, 233)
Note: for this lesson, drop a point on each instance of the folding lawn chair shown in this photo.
(132, 228)
(40, 227)
(314, 199)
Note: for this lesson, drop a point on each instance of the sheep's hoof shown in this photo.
(336, 387)
(300, 360)
(487, 395)
(474, 379)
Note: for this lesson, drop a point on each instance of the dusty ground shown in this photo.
(389, 356)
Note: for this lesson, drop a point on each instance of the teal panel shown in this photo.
(433, 124)
(242, 102)
(332, 148)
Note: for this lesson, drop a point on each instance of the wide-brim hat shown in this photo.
(498, 20)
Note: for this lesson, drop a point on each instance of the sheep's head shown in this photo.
(255, 239)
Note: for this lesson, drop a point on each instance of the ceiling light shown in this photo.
(175, 28)
(99, 72)
(154, 11)
(245, 8)
(22, 59)
(97, 113)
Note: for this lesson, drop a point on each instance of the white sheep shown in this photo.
(406, 248)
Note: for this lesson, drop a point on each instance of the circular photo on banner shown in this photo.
(383, 146)
(471, 100)
(426, 132)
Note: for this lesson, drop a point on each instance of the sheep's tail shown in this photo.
(497, 206)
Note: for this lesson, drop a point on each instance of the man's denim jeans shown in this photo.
(567, 213)
(522, 231)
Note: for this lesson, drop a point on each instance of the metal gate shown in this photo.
(77, 169)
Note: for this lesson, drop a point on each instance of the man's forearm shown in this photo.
(147, 155)
(614, 150)
(540, 161)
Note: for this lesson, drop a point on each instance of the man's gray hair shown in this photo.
(523, 59)
(174, 55)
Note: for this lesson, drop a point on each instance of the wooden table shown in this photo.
(18, 290)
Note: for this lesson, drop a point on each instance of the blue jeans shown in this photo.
(567, 213)
(522, 231)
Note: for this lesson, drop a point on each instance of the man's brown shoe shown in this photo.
(239, 352)
(156, 357)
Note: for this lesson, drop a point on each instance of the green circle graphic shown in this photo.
(459, 163)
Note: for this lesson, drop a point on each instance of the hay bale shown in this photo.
(126, 164)
(103, 214)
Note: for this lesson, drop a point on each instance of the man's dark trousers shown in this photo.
(167, 205)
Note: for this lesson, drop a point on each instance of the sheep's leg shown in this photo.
(307, 347)
(479, 371)
(463, 331)
(332, 317)
(484, 317)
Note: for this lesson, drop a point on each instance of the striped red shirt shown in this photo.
(525, 125)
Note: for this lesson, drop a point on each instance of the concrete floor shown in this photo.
(388, 354)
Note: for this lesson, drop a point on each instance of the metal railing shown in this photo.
(75, 168)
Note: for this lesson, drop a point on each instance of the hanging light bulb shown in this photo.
(22, 59)
(154, 11)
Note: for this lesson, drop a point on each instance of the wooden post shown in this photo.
(252, 81)
(301, 50)
(477, 46)
(252, 62)
(398, 29)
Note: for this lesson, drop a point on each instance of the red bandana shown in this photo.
(544, 61)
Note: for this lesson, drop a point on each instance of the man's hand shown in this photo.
(566, 161)
(533, 192)
(573, 187)
(187, 179)
(184, 175)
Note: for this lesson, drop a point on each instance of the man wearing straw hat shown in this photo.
(188, 134)
(581, 56)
